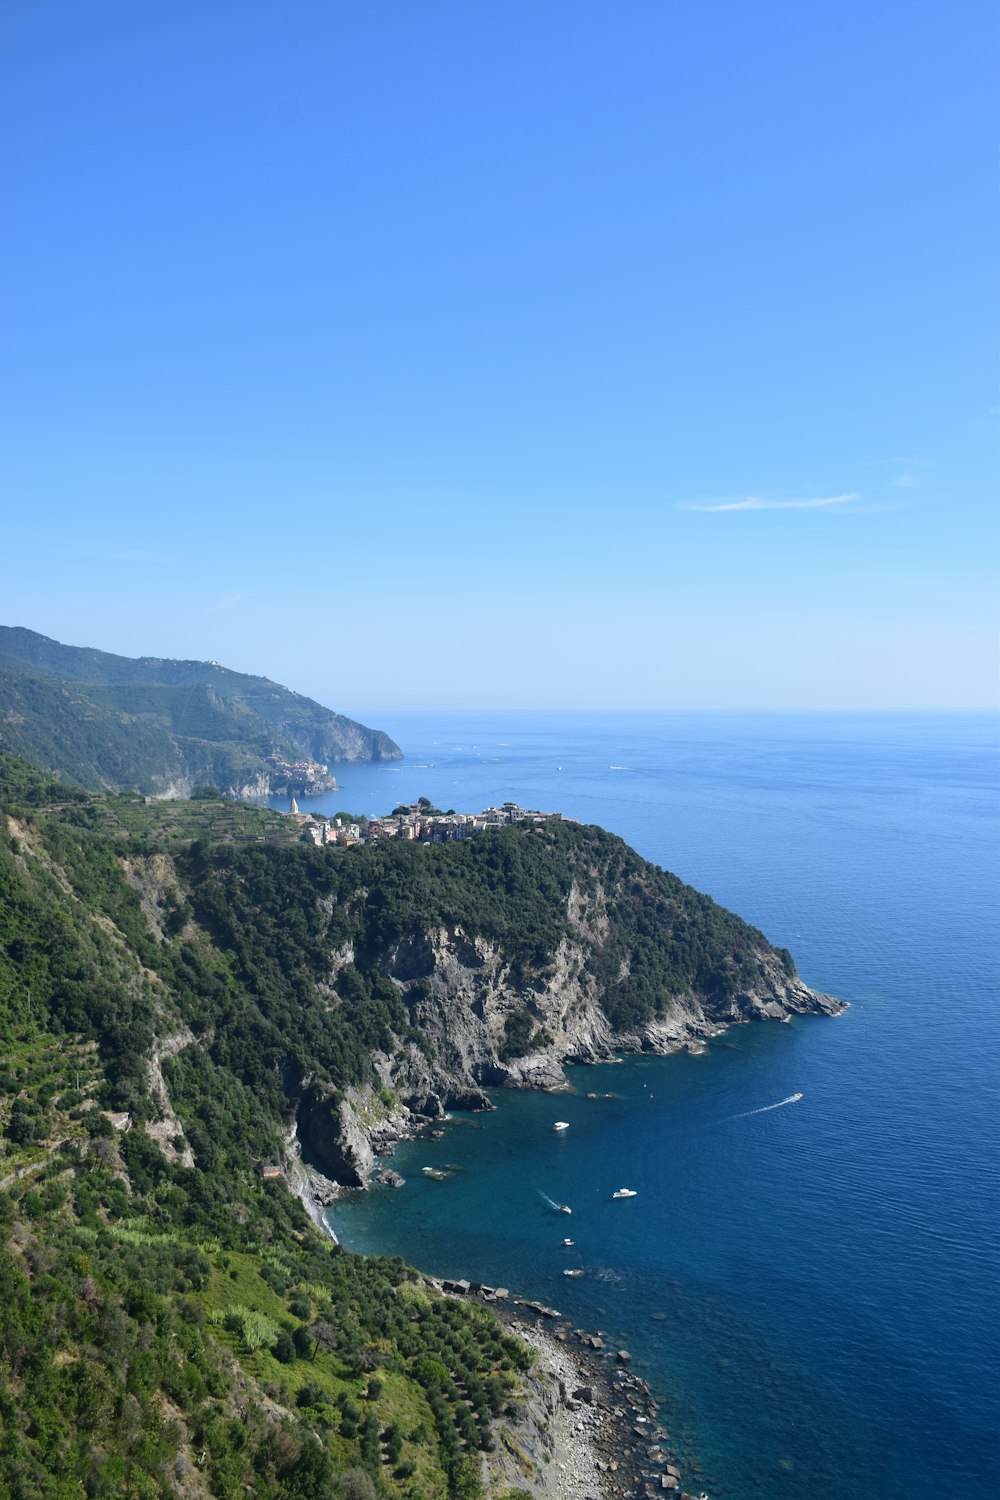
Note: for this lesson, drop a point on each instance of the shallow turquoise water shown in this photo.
(813, 1288)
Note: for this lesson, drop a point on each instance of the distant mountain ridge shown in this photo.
(162, 726)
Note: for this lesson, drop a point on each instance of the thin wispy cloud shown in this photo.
(758, 502)
(906, 481)
(228, 601)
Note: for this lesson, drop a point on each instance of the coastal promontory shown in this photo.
(206, 1025)
(164, 727)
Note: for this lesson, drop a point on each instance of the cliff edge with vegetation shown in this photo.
(486, 963)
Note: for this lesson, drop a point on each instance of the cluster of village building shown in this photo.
(416, 822)
(304, 771)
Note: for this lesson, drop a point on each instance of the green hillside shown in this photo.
(161, 726)
(182, 986)
(174, 1325)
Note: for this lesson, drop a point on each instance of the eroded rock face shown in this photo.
(468, 989)
(251, 786)
(334, 1138)
(460, 990)
(167, 1131)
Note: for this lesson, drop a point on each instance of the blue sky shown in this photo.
(522, 355)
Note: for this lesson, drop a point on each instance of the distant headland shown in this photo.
(164, 727)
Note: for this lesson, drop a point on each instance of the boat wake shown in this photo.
(765, 1109)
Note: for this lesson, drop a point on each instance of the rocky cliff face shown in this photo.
(461, 991)
(338, 738)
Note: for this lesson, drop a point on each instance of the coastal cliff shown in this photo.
(484, 964)
(463, 993)
(207, 1027)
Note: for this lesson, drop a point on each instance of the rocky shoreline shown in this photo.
(342, 1135)
(593, 1429)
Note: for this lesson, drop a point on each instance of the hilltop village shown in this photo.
(419, 821)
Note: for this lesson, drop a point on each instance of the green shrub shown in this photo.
(256, 1330)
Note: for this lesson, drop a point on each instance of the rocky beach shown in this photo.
(590, 1429)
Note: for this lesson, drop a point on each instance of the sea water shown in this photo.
(809, 1283)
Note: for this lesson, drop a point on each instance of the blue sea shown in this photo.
(810, 1286)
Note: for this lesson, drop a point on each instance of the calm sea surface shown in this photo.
(813, 1288)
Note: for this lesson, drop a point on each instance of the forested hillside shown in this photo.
(183, 987)
(170, 1322)
(160, 726)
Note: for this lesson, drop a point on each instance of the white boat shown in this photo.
(567, 1242)
(573, 1273)
(625, 1193)
(564, 1208)
(561, 1125)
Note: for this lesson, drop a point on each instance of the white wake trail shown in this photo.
(792, 1099)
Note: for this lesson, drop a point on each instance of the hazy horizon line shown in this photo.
(367, 713)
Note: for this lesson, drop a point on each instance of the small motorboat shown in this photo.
(564, 1208)
(561, 1125)
(625, 1193)
(577, 1272)
(567, 1242)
